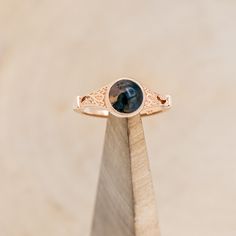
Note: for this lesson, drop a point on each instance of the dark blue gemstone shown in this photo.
(126, 96)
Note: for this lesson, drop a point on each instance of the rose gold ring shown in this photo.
(123, 98)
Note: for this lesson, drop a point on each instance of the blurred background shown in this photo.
(52, 51)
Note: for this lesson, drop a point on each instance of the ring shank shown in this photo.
(92, 111)
(101, 112)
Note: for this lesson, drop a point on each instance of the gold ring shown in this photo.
(123, 98)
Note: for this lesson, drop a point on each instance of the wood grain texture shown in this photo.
(125, 204)
(52, 51)
(146, 222)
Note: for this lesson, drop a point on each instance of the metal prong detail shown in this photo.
(163, 101)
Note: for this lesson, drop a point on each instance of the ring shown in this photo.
(123, 98)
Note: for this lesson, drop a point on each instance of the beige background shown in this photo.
(51, 51)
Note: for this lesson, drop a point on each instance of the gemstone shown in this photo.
(126, 96)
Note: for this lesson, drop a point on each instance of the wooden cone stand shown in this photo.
(125, 203)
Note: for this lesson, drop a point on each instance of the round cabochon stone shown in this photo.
(126, 96)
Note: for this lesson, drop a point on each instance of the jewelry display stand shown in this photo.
(125, 202)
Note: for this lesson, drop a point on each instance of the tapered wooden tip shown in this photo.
(125, 203)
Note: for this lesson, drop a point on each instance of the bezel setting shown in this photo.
(113, 111)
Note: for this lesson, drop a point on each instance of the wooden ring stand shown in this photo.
(125, 202)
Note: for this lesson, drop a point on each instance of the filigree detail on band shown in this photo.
(153, 102)
(96, 98)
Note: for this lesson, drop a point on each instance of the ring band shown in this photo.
(123, 98)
